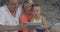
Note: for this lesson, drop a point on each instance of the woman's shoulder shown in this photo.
(23, 15)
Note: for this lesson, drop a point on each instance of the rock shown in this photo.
(55, 28)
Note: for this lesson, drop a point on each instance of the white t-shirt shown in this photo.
(6, 17)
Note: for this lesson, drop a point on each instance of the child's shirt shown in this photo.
(39, 20)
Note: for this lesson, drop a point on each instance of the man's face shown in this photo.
(13, 5)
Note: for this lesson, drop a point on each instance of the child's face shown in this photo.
(36, 11)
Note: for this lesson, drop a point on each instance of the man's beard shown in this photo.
(14, 9)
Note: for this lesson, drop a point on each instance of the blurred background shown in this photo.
(50, 8)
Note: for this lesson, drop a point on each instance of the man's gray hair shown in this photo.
(9, 1)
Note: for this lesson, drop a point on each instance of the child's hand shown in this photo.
(46, 30)
(43, 26)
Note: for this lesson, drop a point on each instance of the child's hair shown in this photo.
(36, 4)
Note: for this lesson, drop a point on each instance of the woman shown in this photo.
(26, 15)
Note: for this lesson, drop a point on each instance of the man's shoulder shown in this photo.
(3, 7)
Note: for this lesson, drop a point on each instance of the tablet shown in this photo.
(30, 24)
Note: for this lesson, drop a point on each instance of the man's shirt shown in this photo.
(6, 17)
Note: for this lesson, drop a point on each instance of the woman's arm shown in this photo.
(44, 24)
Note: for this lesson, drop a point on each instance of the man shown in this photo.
(9, 14)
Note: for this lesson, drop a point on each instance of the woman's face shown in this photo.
(36, 11)
(27, 7)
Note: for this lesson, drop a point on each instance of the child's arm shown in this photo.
(44, 24)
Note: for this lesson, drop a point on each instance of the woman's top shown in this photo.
(24, 19)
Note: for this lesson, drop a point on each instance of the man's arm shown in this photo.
(11, 28)
(5, 27)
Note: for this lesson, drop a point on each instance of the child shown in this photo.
(39, 18)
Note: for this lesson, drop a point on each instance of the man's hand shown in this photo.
(11, 28)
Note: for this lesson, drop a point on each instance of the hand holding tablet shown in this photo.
(31, 24)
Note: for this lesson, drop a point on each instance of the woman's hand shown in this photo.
(21, 26)
(25, 25)
(33, 29)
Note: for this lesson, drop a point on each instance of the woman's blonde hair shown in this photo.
(23, 5)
